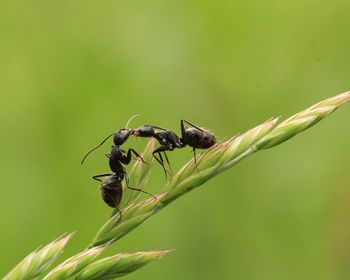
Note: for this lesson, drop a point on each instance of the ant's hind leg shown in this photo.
(135, 189)
(115, 211)
(191, 124)
(195, 159)
(96, 177)
(183, 130)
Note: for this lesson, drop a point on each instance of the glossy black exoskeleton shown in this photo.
(196, 137)
(119, 138)
(112, 188)
(167, 139)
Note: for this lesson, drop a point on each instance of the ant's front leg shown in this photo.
(137, 155)
(126, 158)
(195, 159)
(96, 177)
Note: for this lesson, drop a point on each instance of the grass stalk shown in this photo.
(222, 156)
(214, 161)
(40, 261)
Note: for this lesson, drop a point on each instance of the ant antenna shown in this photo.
(82, 162)
(133, 117)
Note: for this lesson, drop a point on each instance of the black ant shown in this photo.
(167, 139)
(119, 139)
(111, 188)
(195, 137)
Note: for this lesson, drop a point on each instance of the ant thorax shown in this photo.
(168, 138)
(115, 153)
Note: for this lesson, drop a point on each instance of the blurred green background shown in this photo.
(71, 72)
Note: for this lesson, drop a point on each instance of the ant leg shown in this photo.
(118, 210)
(160, 160)
(127, 158)
(115, 211)
(183, 132)
(137, 155)
(191, 124)
(167, 160)
(195, 159)
(164, 148)
(96, 177)
(194, 155)
(135, 189)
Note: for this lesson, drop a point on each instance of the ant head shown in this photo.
(121, 136)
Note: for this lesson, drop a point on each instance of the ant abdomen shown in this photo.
(198, 139)
(112, 191)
